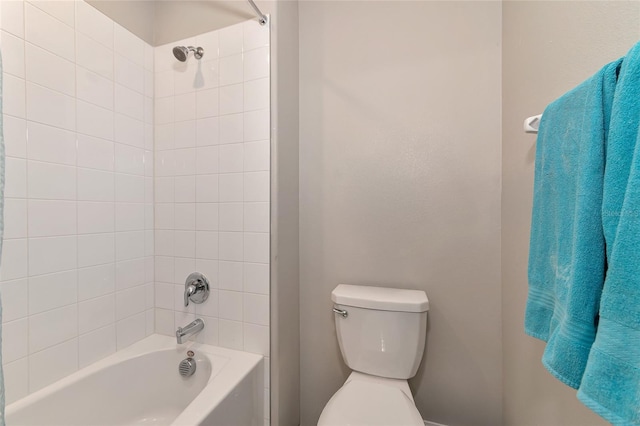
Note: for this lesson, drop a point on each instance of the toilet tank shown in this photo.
(381, 331)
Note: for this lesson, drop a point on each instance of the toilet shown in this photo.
(381, 333)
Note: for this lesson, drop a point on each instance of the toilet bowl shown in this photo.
(381, 333)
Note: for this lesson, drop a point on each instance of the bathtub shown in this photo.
(141, 385)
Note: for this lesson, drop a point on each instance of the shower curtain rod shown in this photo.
(262, 18)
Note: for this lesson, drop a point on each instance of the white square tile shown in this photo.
(15, 136)
(130, 273)
(130, 330)
(49, 107)
(185, 107)
(129, 160)
(256, 94)
(164, 215)
(95, 121)
(163, 59)
(257, 125)
(256, 247)
(210, 74)
(230, 305)
(63, 10)
(95, 185)
(231, 70)
(47, 32)
(207, 189)
(165, 163)
(206, 245)
(129, 245)
(207, 160)
(52, 327)
(12, 17)
(209, 268)
(185, 134)
(207, 103)
(185, 216)
(96, 281)
(163, 84)
(164, 189)
(185, 189)
(12, 54)
(231, 99)
(52, 364)
(129, 217)
(52, 218)
(231, 128)
(185, 243)
(256, 186)
(51, 144)
(14, 259)
(130, 302)
(231, 158)
(164, 269)
(209, 42)
(231, 334)
(164, 296)
(129, 188)
(230, 275)
(183, 268)
(164, 110)
(164, 243)
(208, 131)
(129, 74)
(231, 217)
(95, 249)
(255, 35)
(129, 131)
(230, 246)
(231, 187)
(95, 217)
(164, 136)
(16, 374)
(186, 76)
(129, 102)
(96, 313)
(148, 111)
(208, 335)
(185, 161)
(256, 64)
(15, 218)
(209, 308)
(128, 45)
(51, 181)
(94, 56)
(257, 156)
(256, 217)
(94, 24)
(15, 344)
(256, 278)
(148, 136)
(149, 244)
(164, 322)
(14, 299)
(14, 101)
(94, 88)
(16, 178)
(256, 309)
(49, 70)
(96, 345)
(256, 339)
(207, 216)
(230, 40)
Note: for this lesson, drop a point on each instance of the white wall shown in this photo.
(212, 166)
(77, 266)
(400, 186)
(549, 48)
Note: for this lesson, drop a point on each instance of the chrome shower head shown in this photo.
(181, 52)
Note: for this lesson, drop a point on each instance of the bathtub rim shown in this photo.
(238, 365)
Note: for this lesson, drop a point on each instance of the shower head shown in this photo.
(181, 52)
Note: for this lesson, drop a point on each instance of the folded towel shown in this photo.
(567, 249)
(611, 382)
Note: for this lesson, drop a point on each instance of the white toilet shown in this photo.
(381, 332)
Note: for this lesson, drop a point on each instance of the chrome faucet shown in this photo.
(189, 329)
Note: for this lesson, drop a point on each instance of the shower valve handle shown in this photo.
(196, 288)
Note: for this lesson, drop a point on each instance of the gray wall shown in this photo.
(549, 47)
(400, 186)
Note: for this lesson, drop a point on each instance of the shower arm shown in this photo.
(262, 18)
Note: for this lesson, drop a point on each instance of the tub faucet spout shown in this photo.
(189, 329)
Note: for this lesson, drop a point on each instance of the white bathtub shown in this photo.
(141, 385)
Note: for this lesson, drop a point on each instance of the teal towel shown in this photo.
(611, 382)
(567, 248)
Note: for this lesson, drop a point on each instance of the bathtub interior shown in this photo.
(146, 389)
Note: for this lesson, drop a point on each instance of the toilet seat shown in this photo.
(371, 401)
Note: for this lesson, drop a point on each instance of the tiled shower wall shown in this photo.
(212, 186)
(77, 267)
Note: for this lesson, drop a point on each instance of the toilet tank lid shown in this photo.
(380, 298)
